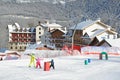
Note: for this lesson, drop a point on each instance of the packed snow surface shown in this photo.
(66, 68)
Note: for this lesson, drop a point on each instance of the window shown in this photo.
(39, 36)
(114, 37)
(108, 36)
(39, 28)
(39, 32)
(20, 47)
(11, 47)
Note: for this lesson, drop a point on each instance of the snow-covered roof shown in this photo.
(94, 34)
(100, 31)
(16, 28)
(85, 24)
(113, 42)
(97, 32)
(17, 25)
(69, 33)
(59, 30)
(82, 25)
(10, 28)
(32, 29)
(64, 31)
(52, 25)
(99, 38)
(88, 33)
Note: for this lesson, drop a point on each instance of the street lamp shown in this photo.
(76, 24)
(74, 30)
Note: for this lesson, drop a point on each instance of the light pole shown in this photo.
(74, 30)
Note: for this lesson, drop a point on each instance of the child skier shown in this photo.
(52, 64)
(32, 60)
(38, 63)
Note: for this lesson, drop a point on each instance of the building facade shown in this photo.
(20, 38)
(50, 34)
(83, 33)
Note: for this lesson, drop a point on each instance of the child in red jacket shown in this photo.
(38, 62)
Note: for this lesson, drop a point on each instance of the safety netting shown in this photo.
(70, 51)
(45, 53)
(99, 49)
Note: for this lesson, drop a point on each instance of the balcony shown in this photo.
(14, 37)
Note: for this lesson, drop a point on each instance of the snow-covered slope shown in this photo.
(66, 68)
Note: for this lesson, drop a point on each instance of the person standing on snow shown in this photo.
(38, 63)
(32, 60)
(52, 64)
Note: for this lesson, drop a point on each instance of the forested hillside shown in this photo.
(66, 12)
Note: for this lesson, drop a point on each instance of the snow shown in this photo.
(66, 68)
(82, 25)
(113, 42)
(96, 49)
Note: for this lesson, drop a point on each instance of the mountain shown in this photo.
(66, 12)
(35, 1)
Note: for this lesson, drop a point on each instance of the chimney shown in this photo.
(46, 22)
(39, 23)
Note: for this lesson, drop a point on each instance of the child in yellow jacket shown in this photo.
(32, 60)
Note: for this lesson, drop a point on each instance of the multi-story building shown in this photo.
(20, 37)
(39, 31)
(58, 38)
(84, 33)
(49, 33)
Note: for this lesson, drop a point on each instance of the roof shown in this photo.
(17, 25)
(113, 42)
(70, 34)
(100, 31)
(88, 34)
(94, 34)
(99, 39)
(13, 27)
(82, 25)
(10, 28)
(87, 23)
(52, 25)
(32, 29)
(58, 30)
(97, 32)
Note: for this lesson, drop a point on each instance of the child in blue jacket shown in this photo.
(52, 64)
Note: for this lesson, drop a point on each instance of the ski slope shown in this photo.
(66, 68)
